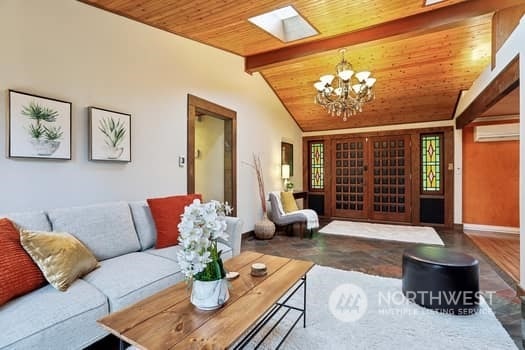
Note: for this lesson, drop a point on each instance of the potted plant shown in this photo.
(201, 226)
(114, 133)
(45, 138)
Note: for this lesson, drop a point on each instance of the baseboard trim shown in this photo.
(247, 235)
(489, 228)
(520, 292)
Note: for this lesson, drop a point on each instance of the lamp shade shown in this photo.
(285, 171)
(357, 88)
(319, 86)
(346, 74)
(327, 79)
(362, 76)
(370, 82)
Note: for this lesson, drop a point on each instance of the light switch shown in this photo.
(450, 166)
(182, 161)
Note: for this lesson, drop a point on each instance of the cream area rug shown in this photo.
(398, 324)
(411, 234)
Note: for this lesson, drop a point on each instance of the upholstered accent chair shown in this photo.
(306, 218)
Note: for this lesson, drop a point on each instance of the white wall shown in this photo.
(209, 165)
(71, 51)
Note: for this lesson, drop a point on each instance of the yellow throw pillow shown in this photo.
(61, 257)
(288, 201)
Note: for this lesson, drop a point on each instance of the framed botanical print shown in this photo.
(109, 135)
(39, 127)
(287, 155)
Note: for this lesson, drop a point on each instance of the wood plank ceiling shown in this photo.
(419, 73)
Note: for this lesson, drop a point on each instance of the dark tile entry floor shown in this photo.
(383, 258)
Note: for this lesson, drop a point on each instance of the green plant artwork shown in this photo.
(45, 137)
(53, 133)
(114, 132)
(110, 135)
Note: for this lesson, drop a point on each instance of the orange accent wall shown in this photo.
(490, 181)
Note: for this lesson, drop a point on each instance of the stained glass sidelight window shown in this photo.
(316, 165)
(431, 150)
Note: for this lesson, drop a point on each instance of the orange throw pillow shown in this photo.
(18, 272)
(167, 213)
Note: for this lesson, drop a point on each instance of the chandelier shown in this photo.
(346, 96)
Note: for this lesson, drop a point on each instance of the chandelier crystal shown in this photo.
(346, 95)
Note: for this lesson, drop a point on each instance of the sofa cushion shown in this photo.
(49, 319)
(167, 213)
(171, 252)
(36, 220)
(106, 229)
(18, 273)
(60, 256)
(129, 278)
(144, 224)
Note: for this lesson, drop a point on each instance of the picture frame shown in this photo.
(109, 135)
(39, 127)
(287, 155)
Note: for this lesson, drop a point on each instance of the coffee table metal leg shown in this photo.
(304, 302)
(258, 327)
(302, 314)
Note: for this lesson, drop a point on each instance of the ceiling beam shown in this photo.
(499, 87)
(410, 26)
(503, 24)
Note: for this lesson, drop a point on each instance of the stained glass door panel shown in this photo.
(348, 169)
(390, 178)
(431, 164)
(316, 166)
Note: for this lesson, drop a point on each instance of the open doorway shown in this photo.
(212, 149)
(491, 203)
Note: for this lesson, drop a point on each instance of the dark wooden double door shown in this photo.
(371, 178)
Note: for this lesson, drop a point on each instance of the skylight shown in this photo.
(285, 23)
(432, 2)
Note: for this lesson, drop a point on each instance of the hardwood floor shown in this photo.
(503, 249)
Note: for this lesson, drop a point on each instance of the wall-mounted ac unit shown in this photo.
(498, 132)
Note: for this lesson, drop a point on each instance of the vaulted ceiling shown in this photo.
(422, 56)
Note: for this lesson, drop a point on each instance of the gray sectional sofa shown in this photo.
(122, 237)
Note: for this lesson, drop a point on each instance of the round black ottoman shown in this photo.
(440, 279)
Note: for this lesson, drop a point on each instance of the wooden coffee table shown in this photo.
(167, 320)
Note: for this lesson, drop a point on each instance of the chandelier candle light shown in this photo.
(346, 96)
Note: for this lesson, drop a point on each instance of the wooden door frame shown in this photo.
(198, 106)
(448, 173)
